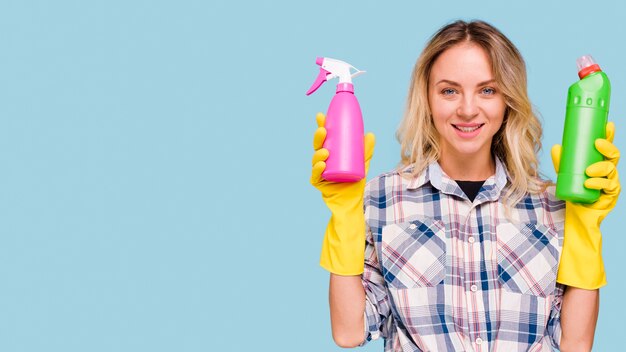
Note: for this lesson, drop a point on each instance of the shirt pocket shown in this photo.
(414, 253)
(528, 258)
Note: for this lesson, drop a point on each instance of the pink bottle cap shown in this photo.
(345, 87)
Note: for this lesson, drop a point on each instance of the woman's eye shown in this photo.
(448, 91)
(489, 91)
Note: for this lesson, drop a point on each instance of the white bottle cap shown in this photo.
(585, 61)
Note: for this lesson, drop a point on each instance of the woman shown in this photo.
(459, 248)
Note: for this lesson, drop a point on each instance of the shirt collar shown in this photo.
(490, 190)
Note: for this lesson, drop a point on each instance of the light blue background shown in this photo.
(155, 159)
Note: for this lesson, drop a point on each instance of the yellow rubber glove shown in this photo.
(343, 249)
(581, 262)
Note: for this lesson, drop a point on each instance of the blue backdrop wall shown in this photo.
(155, 159)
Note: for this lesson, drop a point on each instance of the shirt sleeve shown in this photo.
(378, 319)
(556, 212)
(554, 320)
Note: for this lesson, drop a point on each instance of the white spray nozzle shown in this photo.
(340, 69)
(331, 68)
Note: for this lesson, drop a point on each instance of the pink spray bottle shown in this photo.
(344, 123)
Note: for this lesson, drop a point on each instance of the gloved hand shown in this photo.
(581, 262)
(343, 249)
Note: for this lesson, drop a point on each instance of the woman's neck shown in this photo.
(468, 168)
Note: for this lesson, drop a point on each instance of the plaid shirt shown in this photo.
(446, 274)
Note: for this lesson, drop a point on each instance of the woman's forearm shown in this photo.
(579, 315)
(347, 307)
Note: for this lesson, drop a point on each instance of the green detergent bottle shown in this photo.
(585, 121)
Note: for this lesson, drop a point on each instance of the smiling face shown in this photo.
(466, 105)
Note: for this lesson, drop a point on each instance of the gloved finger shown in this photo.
(608, 149)
(601, 169)
(320, 155)
(609, 186)
(316, 172)
(370, 141)
(556, 157)
(321, 119)
(610, 131)
(319, 137)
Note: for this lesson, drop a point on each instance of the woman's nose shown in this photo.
(467, 108)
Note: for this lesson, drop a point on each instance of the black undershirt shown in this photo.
(470, 188)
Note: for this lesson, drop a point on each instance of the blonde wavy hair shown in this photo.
(519, 139)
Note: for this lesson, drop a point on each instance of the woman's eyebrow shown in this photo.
(453, 83)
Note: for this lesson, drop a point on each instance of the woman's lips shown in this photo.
(468, 130)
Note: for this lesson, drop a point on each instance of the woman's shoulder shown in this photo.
(380, 183)
(548, 190)
(545, 197)
(397, 179)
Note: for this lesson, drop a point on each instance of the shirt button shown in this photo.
(412, 226)
(471, 240)
(479, 341)
(474, 288)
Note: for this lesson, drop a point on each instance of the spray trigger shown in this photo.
(321, 78)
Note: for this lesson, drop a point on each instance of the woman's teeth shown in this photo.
(468, 129)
